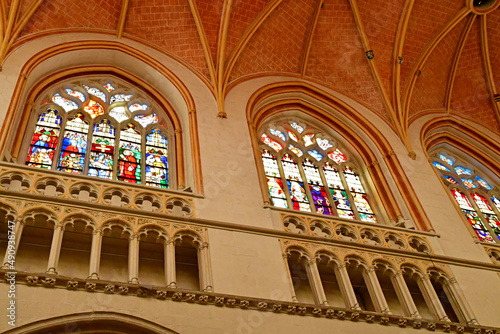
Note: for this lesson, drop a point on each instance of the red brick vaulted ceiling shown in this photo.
(336, 59)
(471, 98)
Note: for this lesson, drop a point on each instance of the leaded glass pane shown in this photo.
(74, 145)
(337, 156)
(483, 183)
(96, 92)
(119, 113)
(145, 120)
(156, 159)
(295, 184)
(102, 150)
(44, 140)
(76, 94)
(274, 183)
(129, 155)
(68, 105)
(318, 194)
(94, 109)
(120, 98)
(278, 134)
(472, 216)
(271, 143)
(440, 166)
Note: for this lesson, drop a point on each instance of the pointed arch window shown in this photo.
(102, 128)
(476, 196)
(307, 171)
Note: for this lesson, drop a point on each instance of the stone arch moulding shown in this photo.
(93, 322)
(445, 130)
(24, 95)
(275, 98)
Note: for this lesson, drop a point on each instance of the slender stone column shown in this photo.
(462, 303)
(315, 281)
(133, 258)
(404, 295)
(432, 298)
(169, 261)
(375, 290)
(95, 254)
(346, 287)
(204, 268)
(55, 249)
(13, 242)
(290, 279)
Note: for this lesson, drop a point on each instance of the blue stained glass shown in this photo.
(96, 92)
(482, 183)
(463, 171)
(440, 166)
(445, 159)
(297, 127)
(156, 159)
(468, 183)
(450, 179)
(74, 145)
(278, 133)
(315, 154)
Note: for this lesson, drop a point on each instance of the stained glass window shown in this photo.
(44, 140)
(272, 143)
(359, 195)
(94, 109)
(145, 120)
(134, 107)
(472, 216)
(76, 94)
(274, 183)
(74, 145)
(297, 173)
(318, 194)
(120, 98)
(109, 87)
(129, 155)
(102, 150)
(440, 166)
(156, 159)
(68, 105)
(87, 136)
(96, 92)
(295, 184)
(465, 183)
(119, 113)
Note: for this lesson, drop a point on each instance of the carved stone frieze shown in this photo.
(356, 232)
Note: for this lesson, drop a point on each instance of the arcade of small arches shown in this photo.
(384, 284)
(77, 245)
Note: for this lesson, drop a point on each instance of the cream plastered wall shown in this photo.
(179, 316)
(242, 263)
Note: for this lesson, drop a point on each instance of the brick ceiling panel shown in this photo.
(57, 14)
(380, 20)
(427, 19)
(243, 13)
(337, 57)
(493, 22)
(210, 13)
(169, 25)
(430, 89)
(278, 44)
(470, 97)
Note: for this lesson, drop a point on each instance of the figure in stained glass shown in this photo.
(274, 183)
(44, 140)
(74, 145)
(337, 156)
(156, 159)
(102, 150)
(129, 155)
